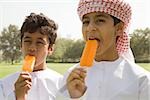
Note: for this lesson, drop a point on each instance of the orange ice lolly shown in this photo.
(89, 53)
(28, 63)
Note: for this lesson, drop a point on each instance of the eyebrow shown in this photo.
(98, 15)
(102, 15)
(84, 17)
(27, 37)
(41, 39)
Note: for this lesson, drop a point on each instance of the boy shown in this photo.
(38, 35)
(114, 75)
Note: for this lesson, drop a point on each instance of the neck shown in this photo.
(40, 67)
(110, 55)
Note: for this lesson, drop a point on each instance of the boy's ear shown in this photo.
(119, 29)
(50, 50)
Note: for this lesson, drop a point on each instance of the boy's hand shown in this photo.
(22, 85)
(75, 83)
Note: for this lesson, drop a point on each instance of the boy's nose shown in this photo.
(32, 51)
(91, 28)
(32, 47)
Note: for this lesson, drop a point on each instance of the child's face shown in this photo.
(36, 44)
(100, 26)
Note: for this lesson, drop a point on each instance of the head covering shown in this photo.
(117, 8)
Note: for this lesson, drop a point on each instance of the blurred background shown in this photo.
(69, 44)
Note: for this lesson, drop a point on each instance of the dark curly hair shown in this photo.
(39, 22)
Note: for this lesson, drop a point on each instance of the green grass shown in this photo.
(6, 69)
(60, 67)
(145, 65)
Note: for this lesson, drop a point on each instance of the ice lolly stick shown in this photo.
(88, 53)
(28, 63)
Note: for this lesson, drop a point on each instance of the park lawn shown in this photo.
(6, 69)
(145, 65)
(60, 67)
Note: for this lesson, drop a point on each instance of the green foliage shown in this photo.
(66, 50)
(61, 46)
(140, 44)
(10, 44)
(74, 51)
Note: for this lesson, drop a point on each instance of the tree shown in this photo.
(67, 50)
(140, 44)
(60, 47)
(10, 44)
(74, 51)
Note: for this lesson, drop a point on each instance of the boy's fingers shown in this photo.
(27, 87)
(83, 75)
(77, 74)
(80, 84)
(76, 81)
(81, 72)
(23, 80)
(73, 76)
(24, 76)
(22, 84)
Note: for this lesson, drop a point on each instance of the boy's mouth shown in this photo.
(31, 54)
(97, 39)
(93, 38)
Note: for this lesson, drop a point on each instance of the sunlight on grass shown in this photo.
(145, 65)
(6, 69)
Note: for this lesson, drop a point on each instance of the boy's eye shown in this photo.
(100, 20)
(39, 42)
(85, 22)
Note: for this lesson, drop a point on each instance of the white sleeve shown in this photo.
(63, 90)
(65, 94)
(144, 93)
(11, 96)
(1, 92)
(3, 96)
